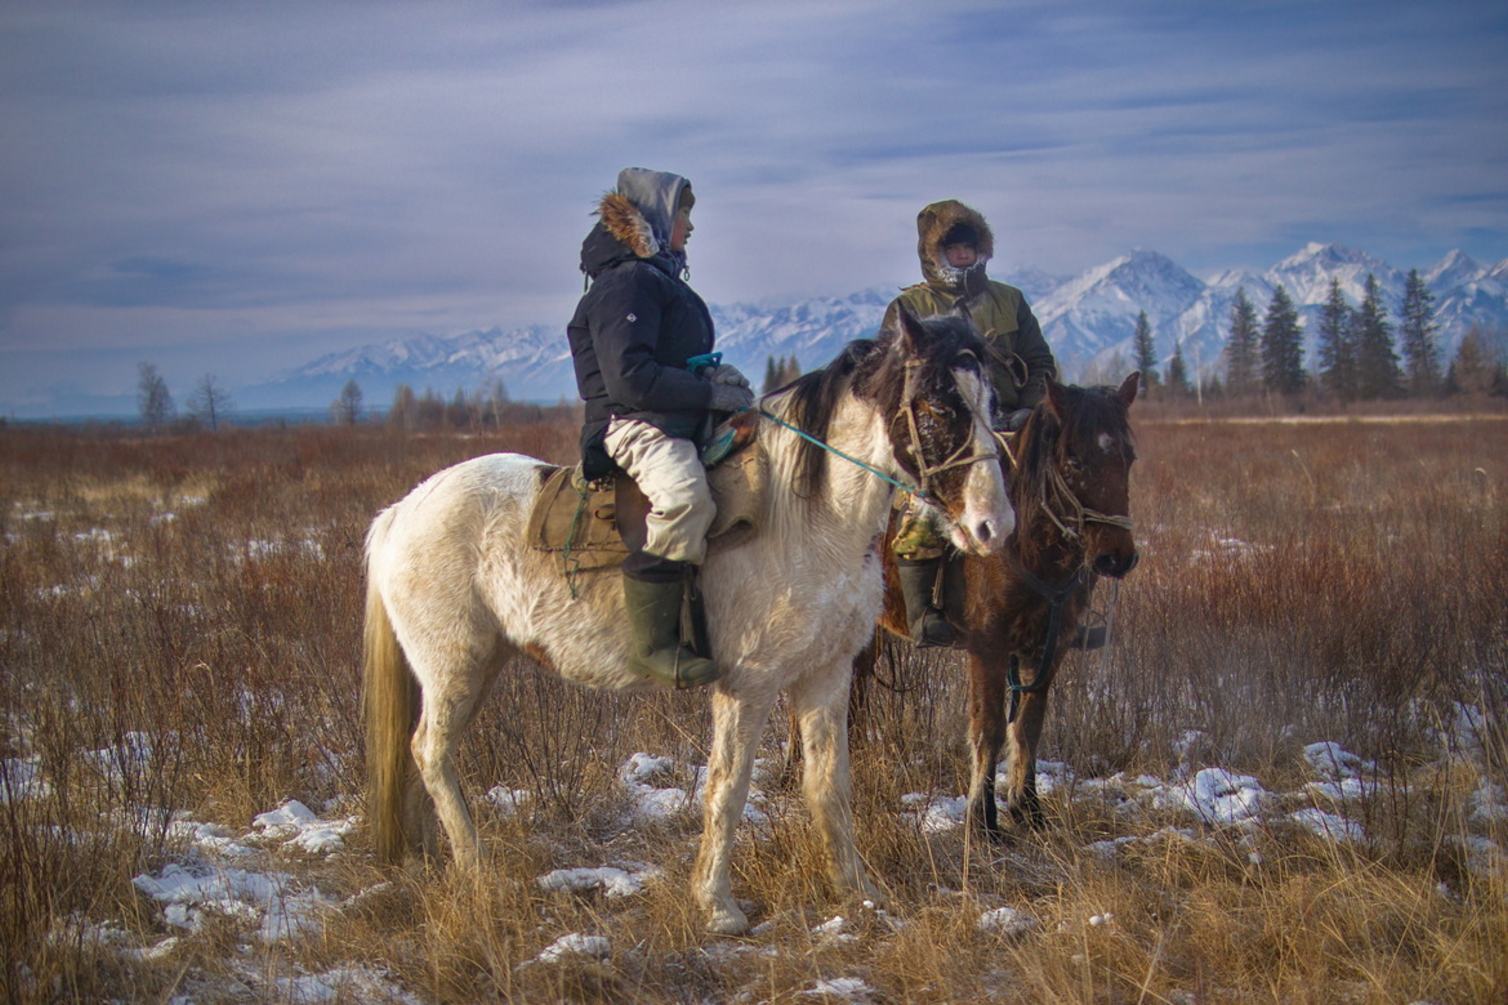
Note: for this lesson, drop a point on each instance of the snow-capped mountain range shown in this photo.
(1089, 321)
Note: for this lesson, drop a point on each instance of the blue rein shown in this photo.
(926, 496)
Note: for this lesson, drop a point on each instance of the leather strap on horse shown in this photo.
(1055, 487)
(1048, 664)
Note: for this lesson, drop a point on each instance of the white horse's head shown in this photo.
(934, 387)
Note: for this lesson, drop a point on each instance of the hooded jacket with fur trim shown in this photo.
(1020, 357)
(639, 321)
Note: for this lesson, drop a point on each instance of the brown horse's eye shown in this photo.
(1074, 464)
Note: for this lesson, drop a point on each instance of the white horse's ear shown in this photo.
(1128, 387)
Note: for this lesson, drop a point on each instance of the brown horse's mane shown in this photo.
(877, 374)
(1090, 412)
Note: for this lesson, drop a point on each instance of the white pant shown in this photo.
(669, 472)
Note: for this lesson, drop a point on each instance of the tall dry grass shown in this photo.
(179, 632)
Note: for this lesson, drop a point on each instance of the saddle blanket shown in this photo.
(577, 519)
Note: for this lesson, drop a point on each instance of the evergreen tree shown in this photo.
(1178, 375)
(1242, 351)
(779, 372)
(1282, 345)
(1416, 332)
(153, 398)
(1146, 351)
(1377, 371)
(771, 376)
(1337, 358)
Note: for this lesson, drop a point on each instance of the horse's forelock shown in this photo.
(945, 343)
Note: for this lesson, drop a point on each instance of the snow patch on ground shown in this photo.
(193, 893)
(612, 881)
(1219, 796)
(295, 824)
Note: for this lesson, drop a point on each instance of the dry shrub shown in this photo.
(179, 631)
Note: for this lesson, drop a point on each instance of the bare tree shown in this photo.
(153, 399)
(209, 401)
(346, 409)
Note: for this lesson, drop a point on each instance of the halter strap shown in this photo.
(1055, 485)
(957, 459)
(907, 409)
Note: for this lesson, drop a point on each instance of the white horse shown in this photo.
(454, 592)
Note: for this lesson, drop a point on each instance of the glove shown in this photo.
(726, 373)
(1015, 420)
(730, 398)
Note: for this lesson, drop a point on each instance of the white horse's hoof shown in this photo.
(727, 919)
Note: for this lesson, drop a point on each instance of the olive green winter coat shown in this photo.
(1020, 359)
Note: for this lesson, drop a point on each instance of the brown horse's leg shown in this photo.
(986, 736)
(1021, 761)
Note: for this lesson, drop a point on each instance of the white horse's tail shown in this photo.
(390, 700)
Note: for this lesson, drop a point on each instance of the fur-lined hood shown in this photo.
(635, 220)
(933, 224)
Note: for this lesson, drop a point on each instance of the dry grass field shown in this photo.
(1319, 616)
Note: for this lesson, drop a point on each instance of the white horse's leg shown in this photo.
(737, 723)
(443, 718)
(821, 705)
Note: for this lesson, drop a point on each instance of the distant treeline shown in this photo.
(1364, 354)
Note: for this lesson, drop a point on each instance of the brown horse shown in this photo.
(1018, 611)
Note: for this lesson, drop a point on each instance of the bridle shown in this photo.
(1055, 489)
(959, 458)
(925, 472)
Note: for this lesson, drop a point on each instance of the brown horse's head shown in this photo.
(1073, 477)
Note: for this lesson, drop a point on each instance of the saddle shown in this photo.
(577, 520)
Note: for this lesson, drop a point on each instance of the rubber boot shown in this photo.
(654, 625)
(929, 625)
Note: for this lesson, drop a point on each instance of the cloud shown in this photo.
(208, 174)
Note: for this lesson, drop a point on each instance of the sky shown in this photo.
(238, 187)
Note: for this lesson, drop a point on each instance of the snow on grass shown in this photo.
(575, 944)
(295, 824)
(933, 813)
(1006, 921)
(507, 802)
(1328, 825)
(644, 777)
(21, 778)
(343, 984)
(133, 754)
(852, 988)
(612, 881)
(1218, 796)
(193, 893)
